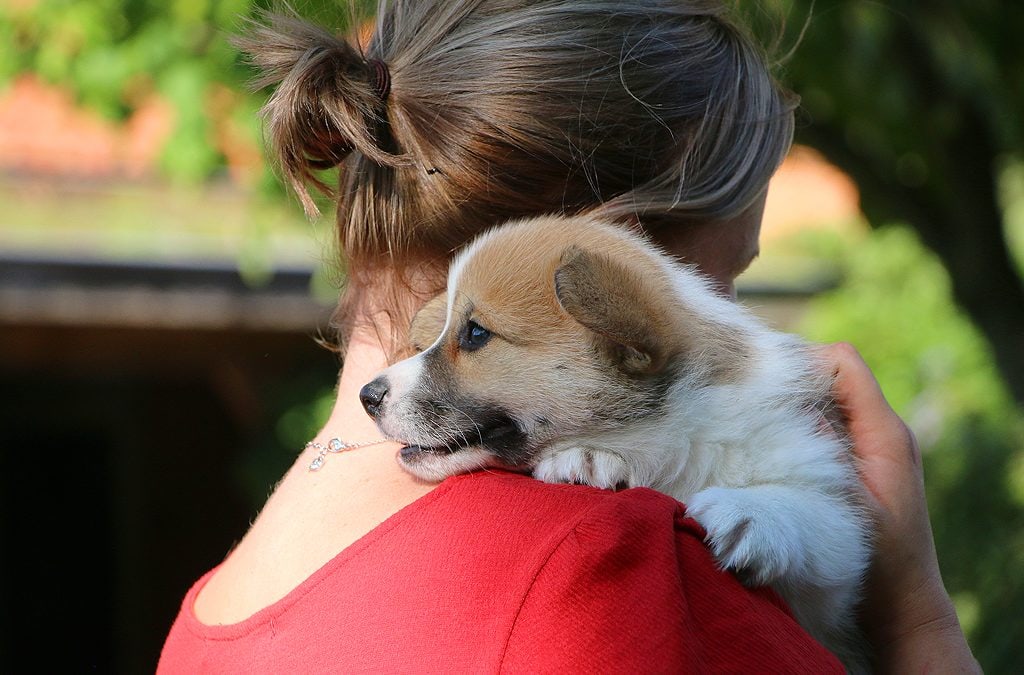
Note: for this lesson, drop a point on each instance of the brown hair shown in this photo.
(659, 111)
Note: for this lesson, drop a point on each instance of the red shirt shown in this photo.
(496, 572)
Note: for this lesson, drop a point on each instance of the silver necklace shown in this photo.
(333, 447)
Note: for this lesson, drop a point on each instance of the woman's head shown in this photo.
(661, 112)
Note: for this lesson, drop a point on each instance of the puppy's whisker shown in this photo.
(462, 433)
(441, 428)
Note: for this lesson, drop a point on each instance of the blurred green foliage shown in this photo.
(112, 53)
(901, 78)
(938, 372)
(1011, 193)
(922, 104)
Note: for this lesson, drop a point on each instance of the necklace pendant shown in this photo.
(334, 446)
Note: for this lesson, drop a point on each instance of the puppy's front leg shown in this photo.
(583, 465)
(810, 546)
(769, 533)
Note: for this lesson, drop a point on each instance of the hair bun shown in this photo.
(329, 101)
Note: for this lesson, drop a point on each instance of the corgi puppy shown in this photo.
(575, 349)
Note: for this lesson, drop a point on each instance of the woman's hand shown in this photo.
(907, 614)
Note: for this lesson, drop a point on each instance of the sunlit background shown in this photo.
(160, 295)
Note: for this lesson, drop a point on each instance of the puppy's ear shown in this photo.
(429, 322)
(618, 304)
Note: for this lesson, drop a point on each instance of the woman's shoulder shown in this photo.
(524, 520)
(531, 514)
(521, 497)
(497, 571)
(625, 578)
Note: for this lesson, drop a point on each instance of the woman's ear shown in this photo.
(429, 322)
(618, 304)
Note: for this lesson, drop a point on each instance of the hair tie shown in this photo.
(380, 79)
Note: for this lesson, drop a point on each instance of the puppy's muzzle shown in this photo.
(372, 396)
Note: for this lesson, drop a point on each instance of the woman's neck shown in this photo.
(364, 359)
(312, 515)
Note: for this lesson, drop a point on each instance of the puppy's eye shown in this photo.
(474, 336)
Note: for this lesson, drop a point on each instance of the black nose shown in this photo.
(372, 395)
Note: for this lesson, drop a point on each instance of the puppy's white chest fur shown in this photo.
(581, 352)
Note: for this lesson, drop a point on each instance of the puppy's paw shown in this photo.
(583, 465)
(746, 535)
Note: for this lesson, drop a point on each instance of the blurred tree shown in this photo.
(111, 54)
(895, 304)
(923, 105)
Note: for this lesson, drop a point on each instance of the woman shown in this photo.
(461, 114)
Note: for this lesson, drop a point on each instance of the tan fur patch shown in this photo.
(429, 322)
(618, 304)
(612, 283)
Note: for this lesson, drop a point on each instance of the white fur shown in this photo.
(776, 492)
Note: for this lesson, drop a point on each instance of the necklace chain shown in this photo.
(334, 446)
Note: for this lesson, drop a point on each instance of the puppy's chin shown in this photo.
(435, 465)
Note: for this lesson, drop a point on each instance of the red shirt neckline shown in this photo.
(496, 572)
(239, 629)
